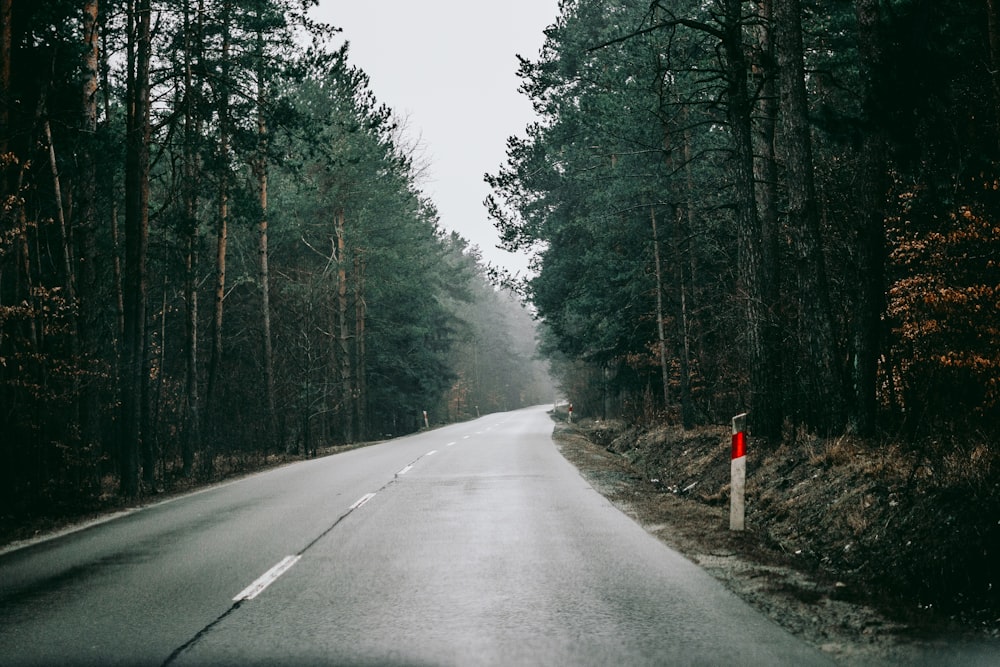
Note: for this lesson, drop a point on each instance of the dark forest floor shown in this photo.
(873, 554)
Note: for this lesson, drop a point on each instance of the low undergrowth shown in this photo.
(913, 530)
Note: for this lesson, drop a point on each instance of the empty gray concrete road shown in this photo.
(475, 544)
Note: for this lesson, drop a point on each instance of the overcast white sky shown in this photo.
(449, 68)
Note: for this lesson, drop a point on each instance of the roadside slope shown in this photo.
(812, 555)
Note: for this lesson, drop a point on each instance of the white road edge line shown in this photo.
(268, 578)
(404, 471)
(362, 500)
(431, 453)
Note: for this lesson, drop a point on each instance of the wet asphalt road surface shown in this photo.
(475, 544)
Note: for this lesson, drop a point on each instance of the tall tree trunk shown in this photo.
(118, 276)
(692, 339)
(766, 175)
(151, 403)
(136, 242)
(265, 279)
(664, 112)
(343, 332)
(85, 231)
(765, 412)
(222, 232)
(681, 252)
(870, 239)
(191, 438)
(823, 391)
(360, 384)
(112, 194)
(660, 332)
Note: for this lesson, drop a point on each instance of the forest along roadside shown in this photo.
(767, 565)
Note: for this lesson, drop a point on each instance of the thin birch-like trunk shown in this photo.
(264, 273)
(660, 332)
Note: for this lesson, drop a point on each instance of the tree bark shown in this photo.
(89, 319)
(112, 195)
(693, 349)
(136, 242)
(343, 332)
(191, 441)
(870, 235)
(265, 279)
(118, 276)
(222, 232)
(765, 412)
(360, 385)
(191, 438)
(823, 391)
(152, 396)
(766, 175)
(681, 251)
(660, 332)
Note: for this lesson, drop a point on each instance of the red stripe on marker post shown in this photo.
(739, 445)
(738, 471)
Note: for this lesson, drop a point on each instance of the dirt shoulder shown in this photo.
(678, 491)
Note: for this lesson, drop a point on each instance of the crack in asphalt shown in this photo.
(201, 633)
(238, 603)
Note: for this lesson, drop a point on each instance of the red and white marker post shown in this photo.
(570, 413)
(738, 470)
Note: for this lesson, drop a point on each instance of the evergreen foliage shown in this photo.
(122, 371)
(784, 207)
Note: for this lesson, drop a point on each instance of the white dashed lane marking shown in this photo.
(362, 500)
(266, 579)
